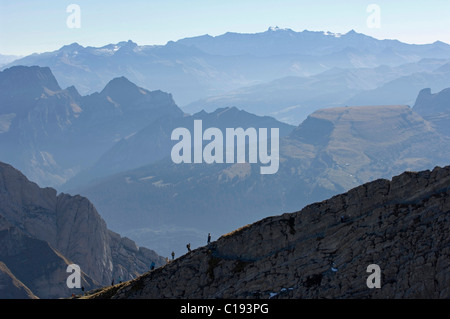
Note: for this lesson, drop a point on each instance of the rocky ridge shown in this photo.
(323, 251)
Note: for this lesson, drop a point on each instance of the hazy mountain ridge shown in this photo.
(292, 99)
(200, 67)
(51, 134)
(278, 41)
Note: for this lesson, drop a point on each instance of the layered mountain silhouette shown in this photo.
(54, 134)
(200, 67)
(41, 233)
(324, 250)
(345, 97)
(51, 133)
(291, 99)
(332, 151)
(113, 147)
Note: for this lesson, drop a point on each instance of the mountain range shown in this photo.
(88, 177)
(114, 148)
(291, 99)
(51, 134)
(202, 67)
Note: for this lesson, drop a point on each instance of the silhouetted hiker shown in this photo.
(173, 255)
(152, 266)
(120, 280)
(209, 238)
(188, 246)
(82, 289)
(112, 282)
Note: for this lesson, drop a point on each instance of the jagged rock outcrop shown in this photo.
(323, 251)
(42, 232)
(435, 108)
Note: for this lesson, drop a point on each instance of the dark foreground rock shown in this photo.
(323, 251)
(41, 233)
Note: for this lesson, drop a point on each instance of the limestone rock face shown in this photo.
(51, 231)
(324, 250)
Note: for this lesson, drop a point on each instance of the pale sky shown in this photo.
(28, 26)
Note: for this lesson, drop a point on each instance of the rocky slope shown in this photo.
(42, 232)
(323, 251)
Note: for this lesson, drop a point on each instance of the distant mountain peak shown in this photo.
(428, 103)
(71, 47)
(119, 84)
(440, 44)
(278, 29)
(34, 79)
(127, 44)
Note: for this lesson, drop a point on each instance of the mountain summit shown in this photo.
(20, 83)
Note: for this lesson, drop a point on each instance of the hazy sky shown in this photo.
(28, 26)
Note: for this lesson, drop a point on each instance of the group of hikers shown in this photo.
(188, 246)
(152, 265)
